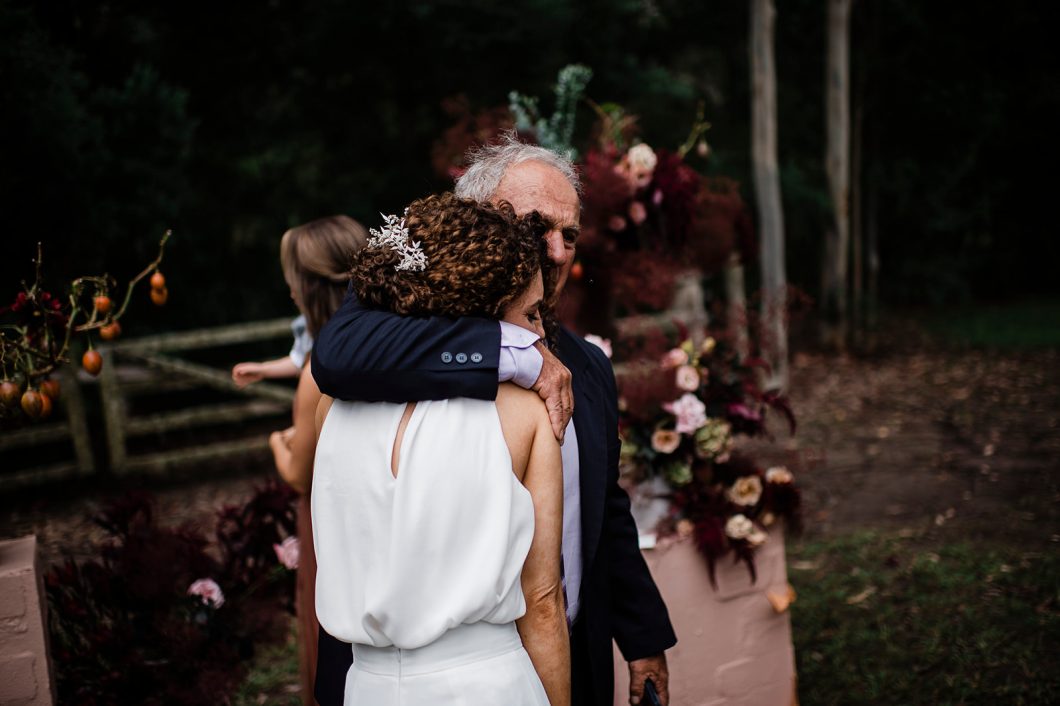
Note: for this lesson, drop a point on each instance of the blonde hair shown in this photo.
(316, 259)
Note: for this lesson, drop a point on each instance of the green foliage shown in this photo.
(273, 675)
(124, 118)
(885, 620)
(557, 131)
(1021, 325)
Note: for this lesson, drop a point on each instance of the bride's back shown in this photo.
(405, 553)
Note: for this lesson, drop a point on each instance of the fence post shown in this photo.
(77, 421)
(113, 411)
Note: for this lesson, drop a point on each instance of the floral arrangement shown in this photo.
(681, 417)
(648, 217)
(38, 329)
(160, 616)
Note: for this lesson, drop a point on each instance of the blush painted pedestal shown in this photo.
(733, 647)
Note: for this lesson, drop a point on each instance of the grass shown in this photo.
(1028, 324)
(883, 619)
(272, 677)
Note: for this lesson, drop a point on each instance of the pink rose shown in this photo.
(657, 197)
(741, 410)
(687, 378)
(208, 591)
(616, 223)
(674, 357)
(665, 441)
(603, 344)
(691, 413)
(287, 552)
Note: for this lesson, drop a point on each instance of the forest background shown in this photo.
(231, 122)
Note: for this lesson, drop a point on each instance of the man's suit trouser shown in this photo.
(580, 670)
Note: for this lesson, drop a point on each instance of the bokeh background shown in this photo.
(926, 451)
(232, 122)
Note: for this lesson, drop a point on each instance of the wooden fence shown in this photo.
(147, 365)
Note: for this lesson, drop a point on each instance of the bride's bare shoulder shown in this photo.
(524, 405)
(523, 417)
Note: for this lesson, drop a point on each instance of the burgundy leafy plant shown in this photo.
(156, 618)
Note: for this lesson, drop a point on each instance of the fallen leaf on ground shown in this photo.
(854, 600)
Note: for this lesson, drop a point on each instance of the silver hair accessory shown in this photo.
(396, 237)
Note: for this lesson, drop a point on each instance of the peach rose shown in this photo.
(637, 213)
(746, 491)
(674, 357)
(665, 441)
(779, 475)
(687, 378)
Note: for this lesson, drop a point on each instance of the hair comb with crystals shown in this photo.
(395, 236)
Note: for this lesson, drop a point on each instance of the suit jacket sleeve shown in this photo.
(640, 622)
(377, 356)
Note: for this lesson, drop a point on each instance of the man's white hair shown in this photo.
(488, 164)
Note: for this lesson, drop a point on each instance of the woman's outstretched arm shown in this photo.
(293, 450)
(544, 626)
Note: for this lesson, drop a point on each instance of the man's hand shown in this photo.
(554, 387)
(653, 668)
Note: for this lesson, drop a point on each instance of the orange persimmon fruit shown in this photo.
(32, 404)
(92, 362)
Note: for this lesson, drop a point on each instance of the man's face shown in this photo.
(535, 186)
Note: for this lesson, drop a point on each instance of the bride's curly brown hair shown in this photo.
(480, 258)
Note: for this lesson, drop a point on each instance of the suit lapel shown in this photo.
(592, 447)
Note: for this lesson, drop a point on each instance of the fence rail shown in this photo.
(147, 365)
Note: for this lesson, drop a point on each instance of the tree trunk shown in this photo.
(857, 230)
(872, 247)
(837, 165)
(774, 334)
(736, 307)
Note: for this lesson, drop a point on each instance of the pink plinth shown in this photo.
(25, 671)
(733, 648)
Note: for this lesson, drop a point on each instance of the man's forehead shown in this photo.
(543, 189)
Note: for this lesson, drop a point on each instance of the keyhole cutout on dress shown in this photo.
(395, 454)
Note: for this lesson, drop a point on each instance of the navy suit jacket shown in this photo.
(369, 355)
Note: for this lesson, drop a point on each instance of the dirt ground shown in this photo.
(907, 440)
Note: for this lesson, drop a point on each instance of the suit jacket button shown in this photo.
(447, 357)
(476, 357)
(461, 357)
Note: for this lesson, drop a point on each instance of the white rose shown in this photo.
(745, 491)
(739, 527)
(779, 475)
(642, 158)
(757, 538)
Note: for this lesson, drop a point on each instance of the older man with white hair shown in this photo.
(363, 354)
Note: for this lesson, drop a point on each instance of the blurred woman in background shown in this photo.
(316, 259)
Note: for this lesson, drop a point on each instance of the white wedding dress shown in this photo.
(421, 572)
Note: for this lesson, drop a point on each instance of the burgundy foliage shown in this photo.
(123, 629)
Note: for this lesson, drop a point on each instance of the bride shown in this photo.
(437, 524)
